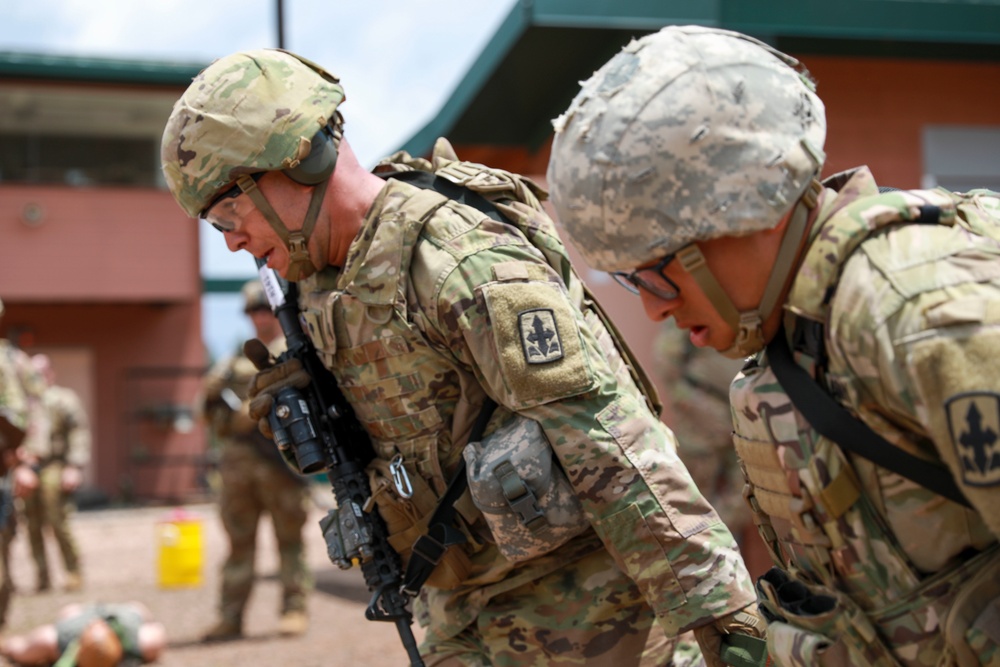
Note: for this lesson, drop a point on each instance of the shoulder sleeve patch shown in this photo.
(536, 342)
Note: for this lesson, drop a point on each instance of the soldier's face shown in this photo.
(740, 265)
(246, 228)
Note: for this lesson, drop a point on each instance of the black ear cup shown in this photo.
(319, 164)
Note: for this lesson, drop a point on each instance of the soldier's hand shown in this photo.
(70, 479)
(746, 621)
(270, 379)
(25, 480)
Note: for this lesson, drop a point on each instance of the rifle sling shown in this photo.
(441, 533)
(833, 421)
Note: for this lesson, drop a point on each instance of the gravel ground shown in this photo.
(119, 549)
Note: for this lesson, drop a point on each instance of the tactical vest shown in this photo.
(416, 400)
(848, 594)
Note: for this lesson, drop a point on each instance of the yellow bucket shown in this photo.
(180, 547)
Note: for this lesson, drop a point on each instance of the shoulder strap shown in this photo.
(427, 180)
(833, 421)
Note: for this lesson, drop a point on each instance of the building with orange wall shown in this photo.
(98, 267)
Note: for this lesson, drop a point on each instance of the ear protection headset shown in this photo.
(321, 161)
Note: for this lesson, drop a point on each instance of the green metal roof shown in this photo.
(528, 73)
(95, 70)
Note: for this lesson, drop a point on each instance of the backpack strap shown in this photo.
(833, 421)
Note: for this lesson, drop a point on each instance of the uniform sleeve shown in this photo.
(955, 371)
(924, 345)
(508, 316)
(13, 407)
(78, 437)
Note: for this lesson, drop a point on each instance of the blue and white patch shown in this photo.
(974, 424)
(539, 336)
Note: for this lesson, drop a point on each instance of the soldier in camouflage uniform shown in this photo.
(16, 478)
(689, 164)
(423, 308)
(254, 480)
(59, 464)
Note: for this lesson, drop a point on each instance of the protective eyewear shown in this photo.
(652, 279)
(232, 192)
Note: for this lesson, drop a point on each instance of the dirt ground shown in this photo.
(120, 548)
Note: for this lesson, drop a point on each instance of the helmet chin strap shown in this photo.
(300, 266)
(749, 324)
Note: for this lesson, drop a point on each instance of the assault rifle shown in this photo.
(317, 426)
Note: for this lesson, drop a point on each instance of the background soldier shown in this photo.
(584, 539)
(59, 463)
(17, 409)
(689, 164)
(255, 480)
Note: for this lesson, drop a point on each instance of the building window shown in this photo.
(82, 135)
(961, 158)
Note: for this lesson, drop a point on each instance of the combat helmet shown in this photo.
(249, 113)
(686, 135)
(254, 296)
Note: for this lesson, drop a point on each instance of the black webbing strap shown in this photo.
(441, 533)
(833, 421)
(453, 191)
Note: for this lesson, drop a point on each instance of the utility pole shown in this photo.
(280, 7)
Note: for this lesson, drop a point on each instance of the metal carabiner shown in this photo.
(400, 478)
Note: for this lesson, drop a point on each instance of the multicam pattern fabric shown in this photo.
(687, 134)
(50, 505)
(36, 438)
(253, 484)
(698, 414)
(13, 404)
(407, 328)
(226, 123)
(885, 566)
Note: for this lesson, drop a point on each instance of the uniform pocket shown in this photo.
(523, 493)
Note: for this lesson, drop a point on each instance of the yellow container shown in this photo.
(180, 550)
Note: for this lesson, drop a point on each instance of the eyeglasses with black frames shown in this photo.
(652, 279)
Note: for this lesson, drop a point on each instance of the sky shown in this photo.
(398, 60)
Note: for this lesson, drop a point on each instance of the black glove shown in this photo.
(270, 379)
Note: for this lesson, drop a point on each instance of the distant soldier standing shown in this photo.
(255, 480)
(59, 462)
(16, 479)
(867, 415)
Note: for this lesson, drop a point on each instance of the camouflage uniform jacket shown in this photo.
(69, 440)
(32, 383)
(439, 306)
(911, 330)
(13, 404)
(231, 374)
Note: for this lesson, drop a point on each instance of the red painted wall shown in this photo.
(115, 271)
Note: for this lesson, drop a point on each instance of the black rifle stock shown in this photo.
(319, 427)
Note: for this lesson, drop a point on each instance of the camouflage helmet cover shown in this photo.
(254, 297)
(248, 112)
(687, 134)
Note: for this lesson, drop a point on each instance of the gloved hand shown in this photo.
(746, 621)
(270, 379)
